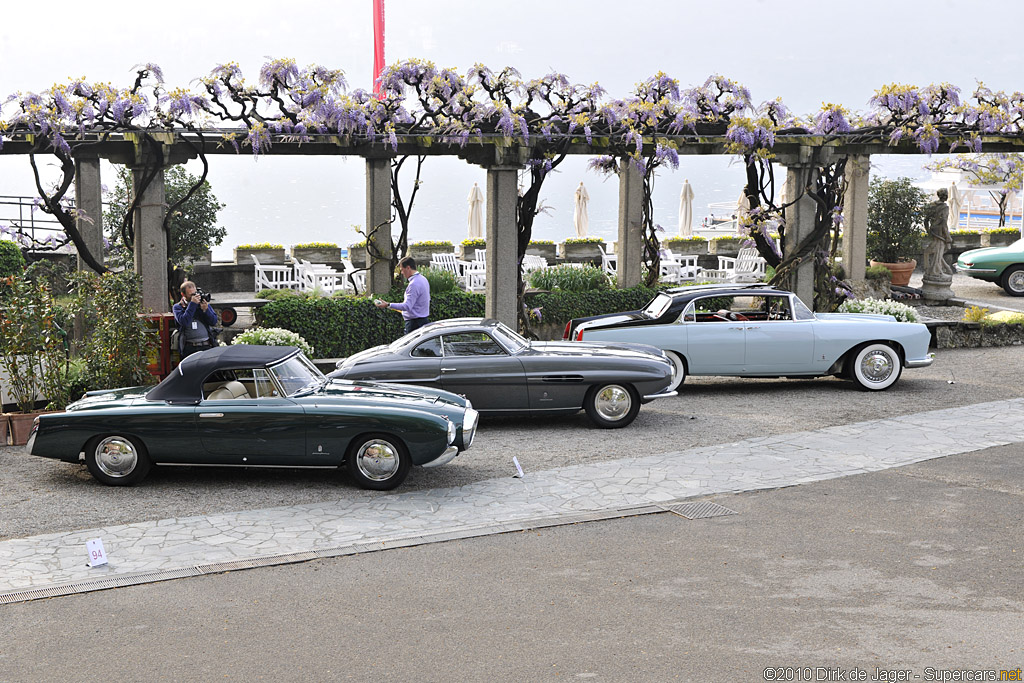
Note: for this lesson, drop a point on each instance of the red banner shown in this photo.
(378, 44)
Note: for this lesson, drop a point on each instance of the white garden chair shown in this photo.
(609, 262)
(273, 276)
(318, 276)
(747, 266)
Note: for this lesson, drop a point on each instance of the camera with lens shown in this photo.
(205, 296)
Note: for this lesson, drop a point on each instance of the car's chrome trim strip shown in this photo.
(970, 269)
(247, 464)
(443, 459)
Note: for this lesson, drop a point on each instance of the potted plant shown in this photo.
(357, 254)
(34, 355)
(895, 232)
(687, 245)
(268, 254)
(726, 245)
(470, 246)
(423, 251)
(965, 239)
(1002, 237)
(542, 248)
(582, 249)
(317, 252)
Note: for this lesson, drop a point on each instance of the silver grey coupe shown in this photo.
(760, 331)
(501, 371)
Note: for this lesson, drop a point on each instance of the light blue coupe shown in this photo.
(760, 331)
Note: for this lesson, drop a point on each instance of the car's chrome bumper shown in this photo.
(921, 362)
(962, 269)
(445, 458)
(663, 394)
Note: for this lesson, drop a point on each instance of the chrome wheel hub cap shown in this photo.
(116, 456)
(377, 460)
(876, 366)
(1016, 281)
(612, 403)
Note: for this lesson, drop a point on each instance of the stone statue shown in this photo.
(936, 224)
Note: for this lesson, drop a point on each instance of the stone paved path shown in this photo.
(55, 564)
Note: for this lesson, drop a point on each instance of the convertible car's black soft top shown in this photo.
(185, 383)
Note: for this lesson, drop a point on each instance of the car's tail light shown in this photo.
(565, 334)
(968, 263)
(579, 335)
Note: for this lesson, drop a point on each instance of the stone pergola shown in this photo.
(800, 154)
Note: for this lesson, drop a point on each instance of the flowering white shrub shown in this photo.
(273, 336)
(902, 312)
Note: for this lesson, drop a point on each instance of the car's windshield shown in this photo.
(658, 306)
(297, 374)
(513, 341)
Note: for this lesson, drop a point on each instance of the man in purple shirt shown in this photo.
(416, 306)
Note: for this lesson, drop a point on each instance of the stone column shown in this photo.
(801, 170)
(151, 241)
(378, 224)
(855, 223)
(502, 244)
(89, 202)
(629, 252)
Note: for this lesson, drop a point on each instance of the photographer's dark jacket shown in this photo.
(184, 317)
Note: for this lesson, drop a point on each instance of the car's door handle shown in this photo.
(735, 328)
(754, 327)
(448, 369)
(211, 414)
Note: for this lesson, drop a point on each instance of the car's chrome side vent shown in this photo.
(562, 379)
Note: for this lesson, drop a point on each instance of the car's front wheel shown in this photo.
(1013, 280)
(611, 406)
(875, 367)
(378, 461)
(117, 460)
(680, 366)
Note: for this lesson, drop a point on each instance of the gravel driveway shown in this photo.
(38, 495)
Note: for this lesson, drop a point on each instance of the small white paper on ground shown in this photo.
(519, 469)
(97, 555)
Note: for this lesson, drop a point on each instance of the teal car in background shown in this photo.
(1001, 265)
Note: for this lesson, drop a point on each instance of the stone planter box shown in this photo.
(965, 242)
(357, 255)
(469, 253)
(423, 254)
(267, 257)
(1001, 239)
(726, 247)
(581, 253)
(317, 255)
(697, 246)
(548, 251)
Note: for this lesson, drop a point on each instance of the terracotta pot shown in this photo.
(3, 429)
(21, 427)
(901, 272)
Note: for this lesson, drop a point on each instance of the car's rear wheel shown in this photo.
(1013, 280)
(117, 460)
(611, 406)
(378, 461)
(875, 366)
(680, 366)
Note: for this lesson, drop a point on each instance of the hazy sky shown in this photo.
(807, 53)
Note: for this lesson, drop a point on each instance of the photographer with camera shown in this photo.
(196, 320)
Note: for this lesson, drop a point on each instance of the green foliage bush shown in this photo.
(11, 260)
(894, 220)
(877, 273)
(440, 279)
(560, 307)
(569, 278)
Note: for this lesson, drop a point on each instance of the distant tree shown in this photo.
(1002, 170)
(193, 225)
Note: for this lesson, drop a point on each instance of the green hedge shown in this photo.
(11, 260)
(340, 326)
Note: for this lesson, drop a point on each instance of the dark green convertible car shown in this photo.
(258, 406)
(1001, 265)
